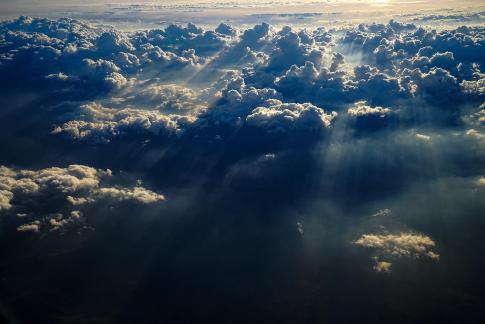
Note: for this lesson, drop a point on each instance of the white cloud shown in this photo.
(74, 186)
(360, 109)
(58, 221)
(102, 124)
(423, 137)
(30, 227)
(286, 117)
(400, 245)
(382, 266)
(139, 194)
(5, 198)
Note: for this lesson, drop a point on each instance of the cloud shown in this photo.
(464, 17)
(101, 124)
(474, 89)
(59, 222)
(284, 117)
(137, 73)
(365, 118)
(437, 85)
(379, 87)
(297, 80)
(112, 42)
(238, 101)
(256, 36)
(382, 212)
(464, 42)
(423, 137)
(172, 87)
(362, 110)
(382, 266)
(139, 194)
(159, 89)
(37, 191)
(91, 59)
(400, 245)
(74, 181)
(5, 199)
(289, 50)
(225, 29)
(167, 98)
(31, 227)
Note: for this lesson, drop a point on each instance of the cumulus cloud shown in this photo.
(400, 245)
(139, 194)
(225, 29)
(284, 117)
(73, 186)
(365, 118)
(238, 101)
(184, 85)
(111, 41)
(5, 198)
(102, 124)
(362, 110)
(74, 181)
(405, 41)
(291, 51)
(59, 222)
(30, 227)
(140, 72)
(167, 98)
(382, 266)
(94, 60)
(438, 84)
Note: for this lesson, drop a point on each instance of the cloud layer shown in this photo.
(292, 162)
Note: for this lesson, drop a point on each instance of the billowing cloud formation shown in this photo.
(5, 198)
(399, 245)
(175, 89)
(171, 91)
(101, 124)
(77, 182)
(362, 110)
(365, 118)
(290, 117)
(28, 191)
(406, 74)
(275, 145)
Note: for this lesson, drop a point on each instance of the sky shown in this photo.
(137, 15)
(242, 162)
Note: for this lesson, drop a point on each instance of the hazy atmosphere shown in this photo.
(242, 161)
